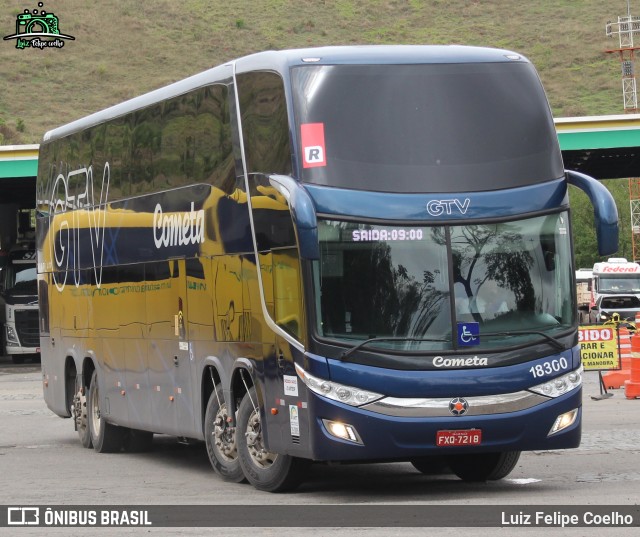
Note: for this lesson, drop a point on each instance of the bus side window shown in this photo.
(265, 125)
(280, 271)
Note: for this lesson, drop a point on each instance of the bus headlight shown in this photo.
(343, 431)
(563, 421)
(560, 385)
(12, 337)
(338, 392)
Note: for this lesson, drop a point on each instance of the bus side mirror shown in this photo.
(604, 210)
(303, 213)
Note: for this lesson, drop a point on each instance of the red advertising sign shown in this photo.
(599, 347)
(313, 150)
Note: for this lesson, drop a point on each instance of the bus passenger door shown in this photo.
(289, 315)
(280, 274)
(183, 359)
(169, 355)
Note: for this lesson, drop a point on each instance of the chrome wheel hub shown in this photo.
(224, 437)
(259, 455)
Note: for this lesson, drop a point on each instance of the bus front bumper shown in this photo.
(373, 435)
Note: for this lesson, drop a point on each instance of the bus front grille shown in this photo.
(27, 327)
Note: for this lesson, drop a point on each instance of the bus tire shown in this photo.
(136, 441)
(81, 415)
(105, 437)
(483, 466)
(220, 439)
(270, 472)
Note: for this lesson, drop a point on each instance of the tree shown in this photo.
(582, 220)
(503, 257)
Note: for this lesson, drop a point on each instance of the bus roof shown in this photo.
(281, 61)
(376, 55)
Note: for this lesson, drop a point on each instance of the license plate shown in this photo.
(460, 437)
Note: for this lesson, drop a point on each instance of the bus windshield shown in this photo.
(21, 278)
(619, 284)
(407, 128)
(419, 283)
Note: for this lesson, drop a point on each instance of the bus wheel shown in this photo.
(136, 441)
(105, 437)
(483, 466)
(271, 472)
(220, 439)
(81, 417)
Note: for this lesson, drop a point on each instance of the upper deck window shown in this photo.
(265, 127)
(425, 128)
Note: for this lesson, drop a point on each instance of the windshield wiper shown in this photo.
(364, 343)
(554, 342)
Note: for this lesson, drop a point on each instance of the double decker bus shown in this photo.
(336, 254)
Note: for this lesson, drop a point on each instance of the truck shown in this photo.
(615, 276)
(20, 304)
(584, 281)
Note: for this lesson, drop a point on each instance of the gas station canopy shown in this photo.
(18, 170)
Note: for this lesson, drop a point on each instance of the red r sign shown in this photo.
(313, 152)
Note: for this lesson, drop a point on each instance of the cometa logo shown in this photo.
(440, 361)
(178, 229)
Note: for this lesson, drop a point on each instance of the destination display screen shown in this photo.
(387, 234)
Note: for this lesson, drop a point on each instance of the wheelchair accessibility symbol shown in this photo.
(468, 334)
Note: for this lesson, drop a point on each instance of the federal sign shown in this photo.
(598, 347)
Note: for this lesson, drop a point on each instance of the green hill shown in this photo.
(123, 48)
